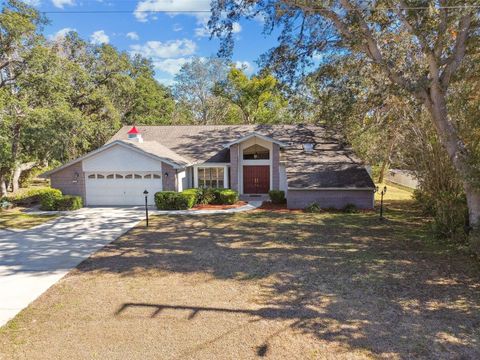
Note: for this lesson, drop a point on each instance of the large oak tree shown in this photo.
(418, 45)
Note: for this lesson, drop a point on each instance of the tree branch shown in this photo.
(455, 59)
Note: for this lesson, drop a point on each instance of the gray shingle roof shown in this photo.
(331, 164)
(157, 149)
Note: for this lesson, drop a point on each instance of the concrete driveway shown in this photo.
(33, 260)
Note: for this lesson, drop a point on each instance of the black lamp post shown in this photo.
(384, 191)
(146, 204)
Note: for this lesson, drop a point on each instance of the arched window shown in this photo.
(256, 152)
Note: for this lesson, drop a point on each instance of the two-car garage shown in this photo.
(118, 174)
(121, 188)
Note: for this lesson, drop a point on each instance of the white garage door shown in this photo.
(121, 188)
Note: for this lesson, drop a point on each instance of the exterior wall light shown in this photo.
(75, 177)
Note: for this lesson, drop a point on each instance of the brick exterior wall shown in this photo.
(234, 161)
(64, 180)
(169, 182)
(275, 167)
(299, 199)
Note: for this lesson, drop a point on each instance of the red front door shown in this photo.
(256, 179)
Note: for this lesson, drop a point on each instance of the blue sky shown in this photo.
(169, 39)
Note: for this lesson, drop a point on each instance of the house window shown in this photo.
(91, 176)
(256, 152)
(100, 176)
(211, 177)
(118, 176)
(129, 176)
(137, 176)
(148, 176)
(156, 176)
(110, 176)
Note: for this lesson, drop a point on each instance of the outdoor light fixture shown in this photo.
(75, 177)
(166, 174)
(382, 193)
(146, 205)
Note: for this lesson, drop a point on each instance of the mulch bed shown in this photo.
(219, 207)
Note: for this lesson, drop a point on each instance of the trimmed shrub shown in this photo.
(69, 202)
(192, 193)
(225, 197)
(350, 209)
(27, 196)
(171, 200)
(190, 196)
(205, 195)
(277, 196)
(313, 208)
(49, 199)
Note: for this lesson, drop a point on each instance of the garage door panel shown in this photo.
(125, 189)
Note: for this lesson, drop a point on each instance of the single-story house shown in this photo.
(304, 161)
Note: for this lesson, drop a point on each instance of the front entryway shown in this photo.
(256, 179)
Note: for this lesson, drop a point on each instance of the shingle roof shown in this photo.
(331, 164)
(157, 149)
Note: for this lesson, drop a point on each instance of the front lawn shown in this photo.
(14, 219)
(261, 284)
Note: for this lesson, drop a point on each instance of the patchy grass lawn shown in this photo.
(394, 192)
(261, 284)
(14, 219)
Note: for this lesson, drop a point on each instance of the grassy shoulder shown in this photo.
(14, 219)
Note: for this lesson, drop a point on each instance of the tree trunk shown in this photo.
(18, 172)
(381, 176)
(457, 152)
(3, 186)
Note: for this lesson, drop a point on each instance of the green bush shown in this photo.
(313, 208)
(350, 209)
(27, 196)
(69, 202)
(171, 200)
(277, 196)
(193, 194)
(49, 199)
(205, 195)
(225, 197)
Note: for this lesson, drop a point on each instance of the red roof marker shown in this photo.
(133, 130)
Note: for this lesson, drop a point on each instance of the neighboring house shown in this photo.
(402, 177)
(305, 162)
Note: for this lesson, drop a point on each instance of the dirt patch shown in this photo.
(261, 285)
(219, 207)
(279, 208)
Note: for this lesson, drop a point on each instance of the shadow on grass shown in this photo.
(346, 278)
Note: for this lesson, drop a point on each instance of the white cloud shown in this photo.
(61, 3)
(60, 34)
(132, 35)
(99, 37)
(32, 2)
(177, 27)
(173, 6)
(169, 49)
(170, 66)
(246, 66)
(203, 31)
